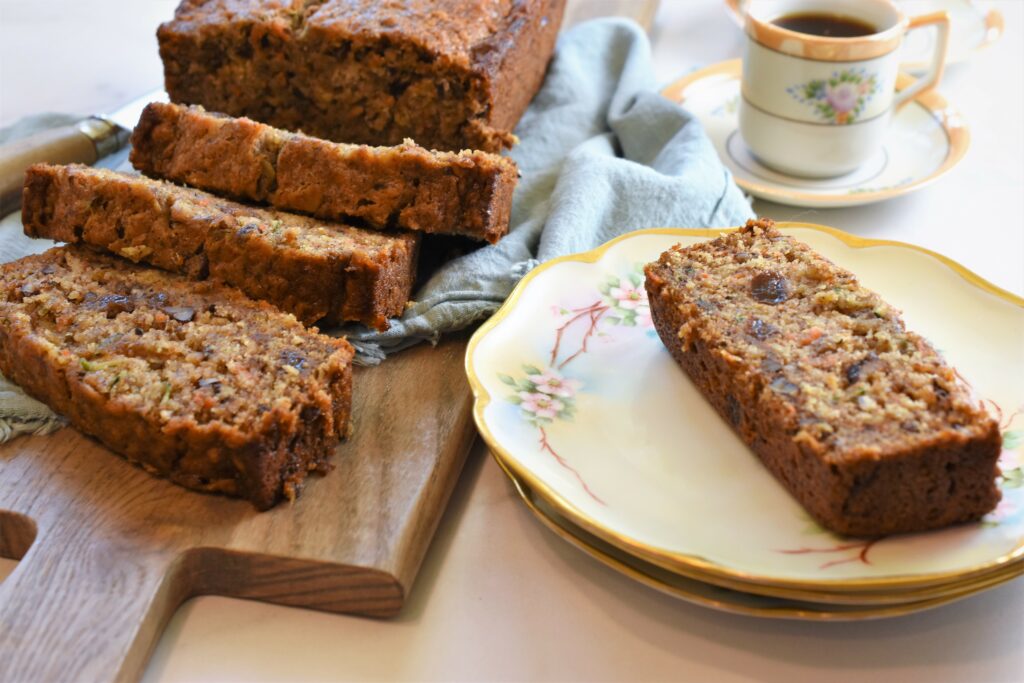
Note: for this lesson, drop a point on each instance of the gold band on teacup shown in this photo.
(825, 48)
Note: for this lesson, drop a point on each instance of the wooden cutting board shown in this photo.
(108, 553)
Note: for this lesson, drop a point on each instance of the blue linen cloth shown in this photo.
(600, 154)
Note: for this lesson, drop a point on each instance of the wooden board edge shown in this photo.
(295, 582)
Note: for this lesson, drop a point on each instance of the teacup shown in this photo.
(818, 106)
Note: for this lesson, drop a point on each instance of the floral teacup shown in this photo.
(818, 106)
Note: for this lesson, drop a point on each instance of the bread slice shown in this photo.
(192, 381)
(313, 269)
(862, 421)
(467, 193)
(451, 74)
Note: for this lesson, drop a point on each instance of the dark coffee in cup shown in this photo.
(823, 24)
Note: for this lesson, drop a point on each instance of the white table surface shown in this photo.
(499, 596)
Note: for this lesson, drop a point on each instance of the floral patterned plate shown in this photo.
(734, 600)
(576, 395)
(925, 139)
(971, 29)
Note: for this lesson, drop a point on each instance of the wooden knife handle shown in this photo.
(83, 142)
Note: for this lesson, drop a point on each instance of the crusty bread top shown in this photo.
(858, 383)
(453, 29)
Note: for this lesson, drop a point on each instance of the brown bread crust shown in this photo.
(408, 187)
(191, 381)
(312, 269)
(855, 480)
(450, 74)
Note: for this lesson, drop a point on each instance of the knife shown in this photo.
(86, 142)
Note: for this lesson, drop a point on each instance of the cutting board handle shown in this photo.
(104, 606)
(90, 612)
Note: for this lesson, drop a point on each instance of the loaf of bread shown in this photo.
(450, 74)
(466, 193)
(862, 421)
(192, 381)
(313, 269)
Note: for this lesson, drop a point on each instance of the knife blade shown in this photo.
(85, 141)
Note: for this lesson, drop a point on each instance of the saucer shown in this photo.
(925, 139)
(971, 29)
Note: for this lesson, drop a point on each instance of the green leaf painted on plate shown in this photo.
(1013, 479)
(1013, 439)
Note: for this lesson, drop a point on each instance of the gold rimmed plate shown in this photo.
(795, 603)
(576, 396)
(725, 599)
(925, 139)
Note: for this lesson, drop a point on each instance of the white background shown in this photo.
(499, 597)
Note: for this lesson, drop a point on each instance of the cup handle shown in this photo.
(931, 78)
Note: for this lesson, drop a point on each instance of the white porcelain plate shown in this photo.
(971, 29)
(577, 396)
(925, 139)
(732, 600)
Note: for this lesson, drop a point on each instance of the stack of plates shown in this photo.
(611, 447)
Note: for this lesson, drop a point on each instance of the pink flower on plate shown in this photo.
(843, 97)
(1009, 460)
(1004, 509)
(540, 405)
(629, 297)
(553, 384)
(643, 317)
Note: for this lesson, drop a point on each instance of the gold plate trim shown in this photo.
(879, 599)
(693, 566)
(803, 610)
(995, 26)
